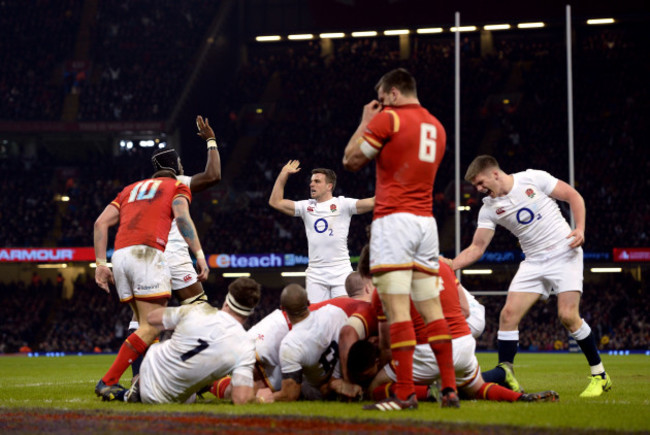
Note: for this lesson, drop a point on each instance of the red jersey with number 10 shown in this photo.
(146, 211)
(411, 142)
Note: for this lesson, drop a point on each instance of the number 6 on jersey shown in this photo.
(428, 136)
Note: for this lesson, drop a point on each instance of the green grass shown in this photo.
(67, 383)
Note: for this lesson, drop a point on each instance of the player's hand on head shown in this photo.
(371, 109)
(203, 269)
(292, 167)
(578, 238)
(205, 131)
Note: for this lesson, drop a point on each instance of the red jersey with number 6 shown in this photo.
(411, 142)
(146, 211)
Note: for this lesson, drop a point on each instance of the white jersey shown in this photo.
(476, 319)
(268, 334)
(327, 225)
(176, 242)
(311, 347)
(530, 214)
(207, 344)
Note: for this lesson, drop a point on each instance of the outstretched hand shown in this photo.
(205, 131)
(291, 167)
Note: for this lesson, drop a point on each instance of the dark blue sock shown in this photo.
(497, 375)
(507, 350)
(589, 348)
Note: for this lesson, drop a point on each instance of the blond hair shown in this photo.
(480, 164)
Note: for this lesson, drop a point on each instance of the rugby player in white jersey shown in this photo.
(524, 203)
(327, 223)
(269, 332)
(308, 353)
(186, 285)
(207, 344)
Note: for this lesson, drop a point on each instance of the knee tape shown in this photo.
(200, 297)
(396, 282)
(425, 288)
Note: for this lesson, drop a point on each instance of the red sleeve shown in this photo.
(377, 307)
(183, 190)
(117, 202)
(380, 128)
(366, 313)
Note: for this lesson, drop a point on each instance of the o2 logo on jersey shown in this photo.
(321, 225)
(526, 216)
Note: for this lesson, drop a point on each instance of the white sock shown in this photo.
(582, 332)
(598, 369)
(508, 335)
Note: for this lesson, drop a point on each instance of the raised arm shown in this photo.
(181, 209)
(564, 192)
(365, 205)
(471, 254)
(354, 157)
(277, 200)
(212, 173)
(103, 274)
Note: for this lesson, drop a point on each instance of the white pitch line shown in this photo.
(41, 384)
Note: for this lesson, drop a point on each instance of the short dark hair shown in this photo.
(247, 292)
(165, 159)
(354, 284)
(398, 78)
(362, 356)
(294, 300)
(330, 176)
(480, 164)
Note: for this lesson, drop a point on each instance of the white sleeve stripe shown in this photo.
(368, 150)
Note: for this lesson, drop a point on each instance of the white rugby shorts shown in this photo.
(181, 268)
(551, 276)
(141, 273)
(323, 283)
(404, 241)
(425, 366)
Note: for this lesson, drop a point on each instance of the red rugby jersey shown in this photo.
(411, 142)
(146, 211)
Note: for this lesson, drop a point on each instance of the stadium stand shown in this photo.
(513, 107)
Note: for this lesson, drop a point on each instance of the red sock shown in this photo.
(383, 391)
(219, 387)
(490, 391)
(440, 341)
(402, 345)
(131, 349)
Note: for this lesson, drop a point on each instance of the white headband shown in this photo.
(237, 307)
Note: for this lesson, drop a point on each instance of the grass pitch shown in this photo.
(67, 384)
